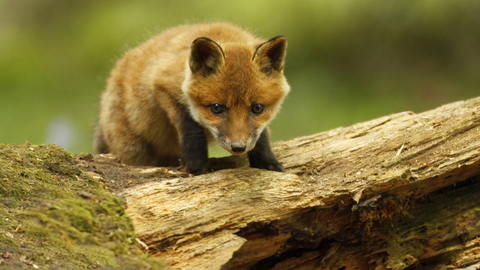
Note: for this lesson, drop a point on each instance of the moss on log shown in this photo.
(54, 216)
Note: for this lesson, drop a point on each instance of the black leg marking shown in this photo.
(194, 145)
(262, 156)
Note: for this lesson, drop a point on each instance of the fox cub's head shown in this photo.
(235, 90)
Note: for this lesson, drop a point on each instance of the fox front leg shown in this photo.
(194, 153)
(262, 157)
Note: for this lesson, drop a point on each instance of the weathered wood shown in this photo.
(376, 195)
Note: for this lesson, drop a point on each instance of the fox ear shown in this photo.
(206, 56)
(270, 55)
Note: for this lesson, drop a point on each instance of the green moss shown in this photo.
(57, 215)
(6, 240)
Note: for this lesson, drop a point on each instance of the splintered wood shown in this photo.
(396, 192)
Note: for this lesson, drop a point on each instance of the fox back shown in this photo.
(190, 85)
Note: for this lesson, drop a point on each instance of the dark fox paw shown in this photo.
(195, 167)
(273, 165)
(276, 167)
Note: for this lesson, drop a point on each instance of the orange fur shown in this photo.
(153, 84)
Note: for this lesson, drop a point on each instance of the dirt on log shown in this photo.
(398, 192)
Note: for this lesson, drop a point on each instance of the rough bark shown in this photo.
(398, 192)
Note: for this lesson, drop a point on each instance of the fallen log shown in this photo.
(398, 192)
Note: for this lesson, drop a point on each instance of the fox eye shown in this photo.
(217, 108)
(257, 108)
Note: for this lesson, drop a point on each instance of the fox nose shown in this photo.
(238, 147)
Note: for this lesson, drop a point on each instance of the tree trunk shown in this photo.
(398, 192)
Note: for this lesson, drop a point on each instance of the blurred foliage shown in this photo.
(348, 61)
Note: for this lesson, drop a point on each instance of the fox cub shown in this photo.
(168, 98)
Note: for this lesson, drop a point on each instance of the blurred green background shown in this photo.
(348, 61)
